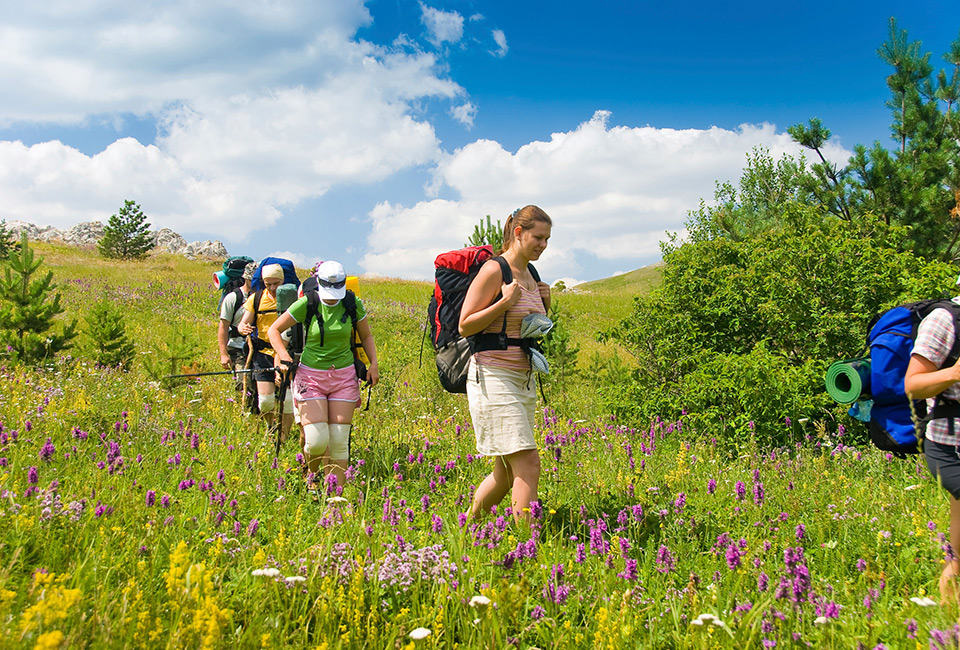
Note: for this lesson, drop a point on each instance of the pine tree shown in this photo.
(8, 244)
(561, 352)
(487, 234)
(27, 312)
(108, 335)
(916, 182)
(126, 235)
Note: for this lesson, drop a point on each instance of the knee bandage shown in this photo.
(316, 438)
(267, 403)
(339, 442)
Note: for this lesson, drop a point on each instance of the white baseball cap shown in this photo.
(331, 281)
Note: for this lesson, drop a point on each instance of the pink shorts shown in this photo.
(333, 385)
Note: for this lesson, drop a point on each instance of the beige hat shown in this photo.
(272, 271)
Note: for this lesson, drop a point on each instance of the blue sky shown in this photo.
(378, 133)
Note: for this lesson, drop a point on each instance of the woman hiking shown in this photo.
(260, 314)
(500, 383)
(326, 388)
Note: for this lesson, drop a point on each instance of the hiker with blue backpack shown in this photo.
(500, 379)
(326, 383)
(234, 284)
(260, 312)
(933, 374)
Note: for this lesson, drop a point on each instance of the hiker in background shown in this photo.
(229, 339)
(929, 375)
(326, 387)
(260, 312)
(500, 383)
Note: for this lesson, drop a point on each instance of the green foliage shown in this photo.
(176, 354)
(107, 335)
(742, 331)
(487, 234)
(754, 206)
(560, 351)
(8, 243)
(28, 311)
(918, 183)
(126, 235)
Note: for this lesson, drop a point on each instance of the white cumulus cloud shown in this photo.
(464, 113)
(612, 192)
(442, 26)
(259, 107)
(501, 40)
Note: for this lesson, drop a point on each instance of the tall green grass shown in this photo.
(134, 516)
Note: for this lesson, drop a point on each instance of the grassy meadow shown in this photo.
(133, 516)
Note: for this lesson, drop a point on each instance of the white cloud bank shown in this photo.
(260, 105)
(612, 192)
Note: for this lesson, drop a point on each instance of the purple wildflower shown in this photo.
(32, 476)
(665, 561)
(733, 557)
(151, 497)
(47, 451)
(740, 490)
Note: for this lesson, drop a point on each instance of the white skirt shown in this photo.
(503, 404)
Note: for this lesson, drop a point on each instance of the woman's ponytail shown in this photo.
(507, 233)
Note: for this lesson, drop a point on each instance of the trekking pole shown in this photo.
(288, 373)
(206, 374)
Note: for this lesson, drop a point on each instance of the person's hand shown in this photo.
(511, 293)
(245, 328)
(225, 360)
(544, 289)
(373, 374)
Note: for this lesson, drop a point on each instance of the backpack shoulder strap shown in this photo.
(313, 312)
(533, 272)
(954, 310)
(505, 270)
(256, 304)
(237, 301)
(350, 307)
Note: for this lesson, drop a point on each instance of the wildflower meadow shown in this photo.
(136, 513)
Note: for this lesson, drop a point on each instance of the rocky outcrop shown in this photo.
(168, 241)
(88, 234)
(204, 249)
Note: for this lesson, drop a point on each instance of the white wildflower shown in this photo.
(420, 633)
(270, 572)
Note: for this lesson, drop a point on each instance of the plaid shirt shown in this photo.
(935, 337)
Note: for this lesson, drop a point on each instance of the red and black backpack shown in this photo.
(454, 271)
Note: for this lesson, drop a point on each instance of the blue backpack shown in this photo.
(890, 342)
(289, 273)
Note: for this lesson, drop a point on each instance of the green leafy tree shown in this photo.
(743, 331)
(8, 243)
(917, 182)
(108, 336)
(28, 310)
(487, 234)
(126, 235)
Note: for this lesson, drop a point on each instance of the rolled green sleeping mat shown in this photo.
(847, 381)
(286, 296)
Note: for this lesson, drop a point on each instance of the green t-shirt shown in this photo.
(337, 330)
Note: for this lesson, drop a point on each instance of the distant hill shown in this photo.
(632, 282)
